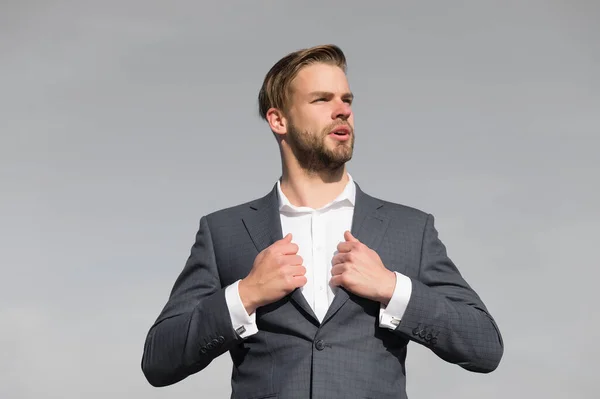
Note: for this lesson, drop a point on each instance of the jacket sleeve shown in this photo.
(446, 315)
(194, 327)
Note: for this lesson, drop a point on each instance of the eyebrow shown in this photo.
(313, 94)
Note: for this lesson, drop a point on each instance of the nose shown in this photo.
(342, 110)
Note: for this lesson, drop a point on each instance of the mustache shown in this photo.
(334, 125)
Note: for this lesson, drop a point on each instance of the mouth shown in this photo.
(340, 133)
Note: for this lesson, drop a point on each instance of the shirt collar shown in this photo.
(346, 197)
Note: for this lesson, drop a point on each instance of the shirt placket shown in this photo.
(318, 244)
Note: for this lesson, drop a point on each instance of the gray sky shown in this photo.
(123, 122)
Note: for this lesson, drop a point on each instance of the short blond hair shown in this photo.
(275, 90)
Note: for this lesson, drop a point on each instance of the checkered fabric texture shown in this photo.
(293, 356)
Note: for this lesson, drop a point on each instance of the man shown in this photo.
(317, 288)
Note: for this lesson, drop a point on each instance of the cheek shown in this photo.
(314, 122)
(314, 126)
(300, 120)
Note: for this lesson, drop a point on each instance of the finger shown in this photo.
(296, 270)
(299, 270)
(338, 269)
(300, 281)
(340, 258)
(284, 245)
(336, 260)
(295, 276)
(292, 260)
(288, 248)
(336, 281)
(345, 246)
(349, 237)
(285, 240)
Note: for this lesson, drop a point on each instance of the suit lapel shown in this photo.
(368, 226)
(263, 222)
(264, 226)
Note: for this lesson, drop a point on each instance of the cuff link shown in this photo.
(241, 330)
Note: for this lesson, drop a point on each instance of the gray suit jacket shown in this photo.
(293, 356)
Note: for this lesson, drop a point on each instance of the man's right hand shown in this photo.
(276, 272)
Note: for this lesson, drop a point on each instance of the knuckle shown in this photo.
(290, 282)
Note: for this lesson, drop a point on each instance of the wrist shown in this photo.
(247, 296)
(387, 287)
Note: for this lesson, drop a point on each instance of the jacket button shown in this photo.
(221, 339)
(320, 345)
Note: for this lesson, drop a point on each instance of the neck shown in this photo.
(313, 189)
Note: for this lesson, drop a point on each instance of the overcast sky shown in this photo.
(123, 122)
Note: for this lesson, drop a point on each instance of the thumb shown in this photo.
(287, 238)
(349, 237)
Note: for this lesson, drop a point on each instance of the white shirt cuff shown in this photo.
(243, 324)
(391, 315)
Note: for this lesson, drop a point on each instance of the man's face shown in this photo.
(320, 128)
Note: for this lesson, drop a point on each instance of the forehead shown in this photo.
(320, 77)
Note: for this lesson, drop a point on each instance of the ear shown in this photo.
(277, 121)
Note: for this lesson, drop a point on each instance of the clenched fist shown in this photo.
(277, 271)
(359, 269)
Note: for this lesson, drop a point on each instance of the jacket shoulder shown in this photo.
(399, 210)
(239, 210)
(405, 217)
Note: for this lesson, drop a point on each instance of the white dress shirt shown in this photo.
(317, 232)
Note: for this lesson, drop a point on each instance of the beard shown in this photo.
(312, 152)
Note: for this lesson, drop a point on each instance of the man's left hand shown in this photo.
(360, 270)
